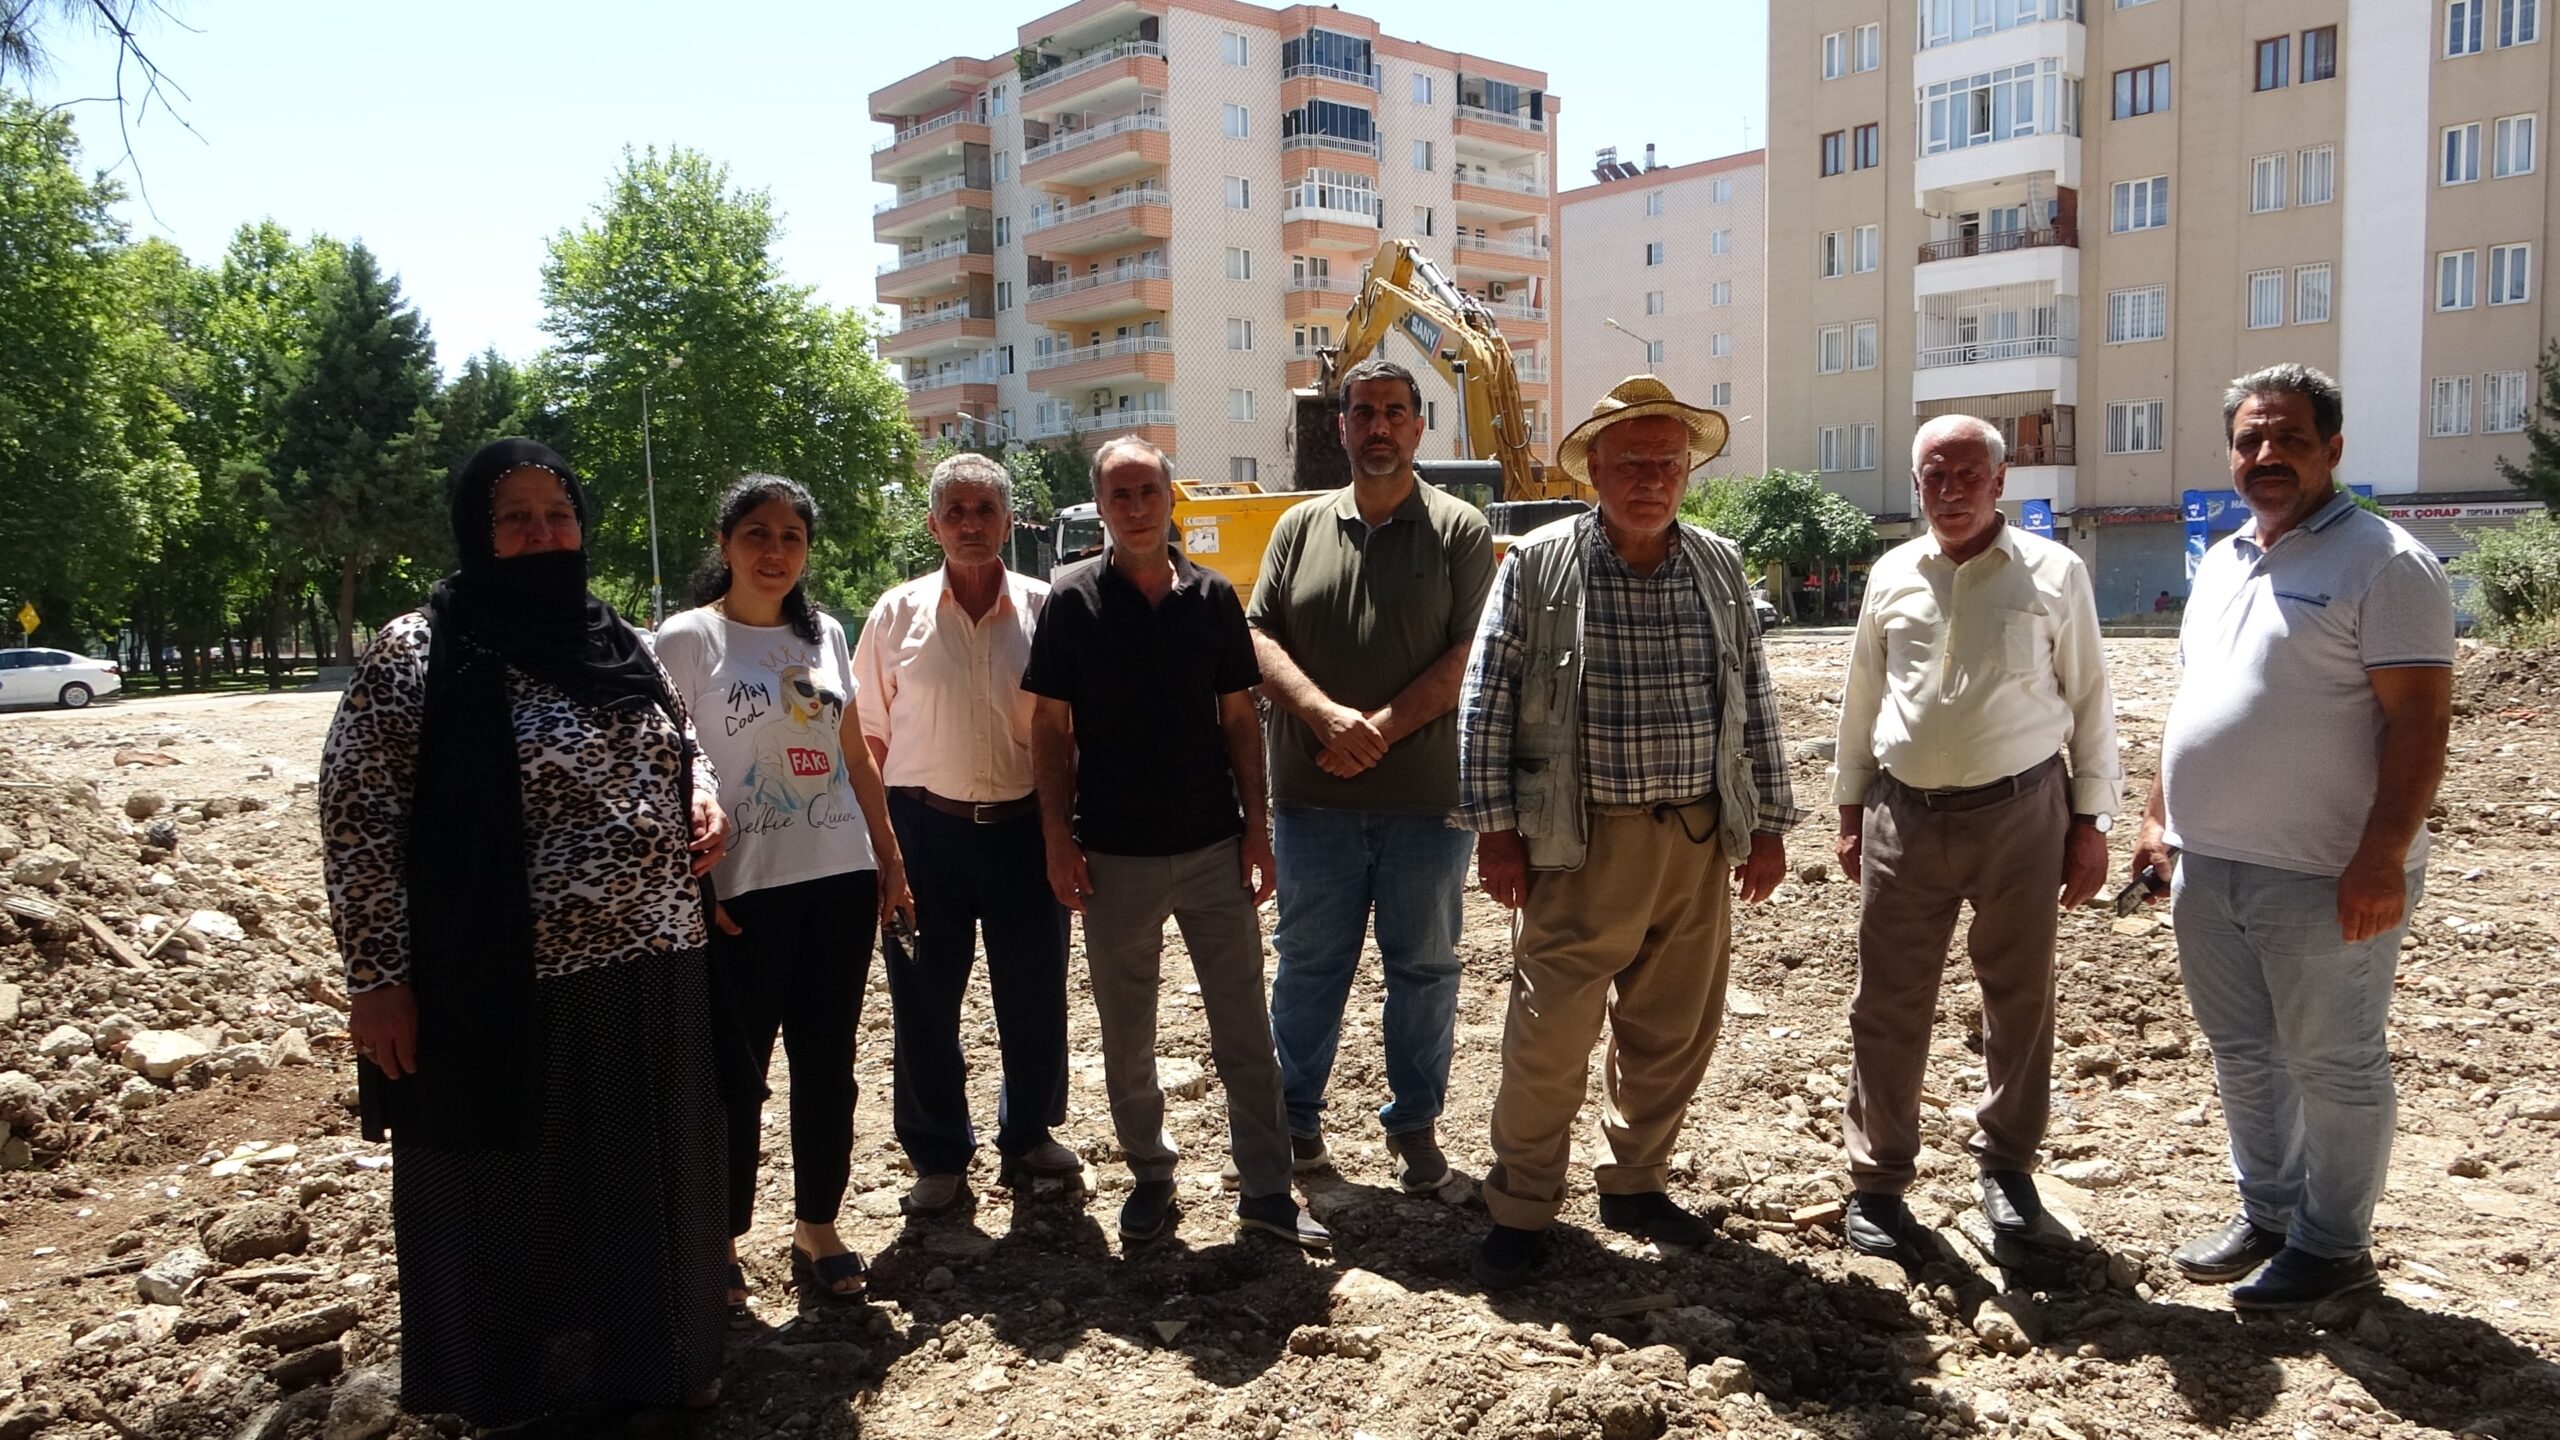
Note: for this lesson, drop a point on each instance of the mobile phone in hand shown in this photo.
(2148, 883)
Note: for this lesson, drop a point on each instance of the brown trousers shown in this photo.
(1917, 865)
(1640, 934)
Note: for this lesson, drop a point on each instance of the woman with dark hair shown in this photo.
(514, 817)
(813, 863)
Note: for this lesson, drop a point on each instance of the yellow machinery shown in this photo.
(1225, 526)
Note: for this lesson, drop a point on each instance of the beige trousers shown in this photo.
(1640, 934)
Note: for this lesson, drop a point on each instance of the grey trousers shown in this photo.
(1124, 947)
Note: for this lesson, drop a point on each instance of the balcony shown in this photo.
(1145, 359)
(1988, 352)
(1363, 80)
(1304, 368)
(1497, 258)
(1499, 132)
(922, 274)
(1155, 426)
(1998, 244)
(1133, 64)
(949, 389)
(1316, 216)
(936, 144)
(1329, 147)
(1953, 51)
(1122, 146)
(911, 211)
(2048, 257)
(1517, 312)
(1307, 295)
(1529, 249)
(1530, 372)
(1115, 222)
(1107, 295)
(1501, 194)
(959, 326)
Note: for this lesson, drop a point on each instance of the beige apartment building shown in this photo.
(2081, 218)
(1662, 268)
(1143, 216)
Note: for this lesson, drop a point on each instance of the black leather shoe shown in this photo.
(1877, 1223)
(1148, 1212)
(1279, 1215)
(2228, 1254)
(2010, 1202)
(2296, 1278)
(1653, 1215)
(1506, 1256)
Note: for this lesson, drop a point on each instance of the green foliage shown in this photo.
(1717, 505)
(1782, 518)
(2539, 475)
(2517, 569)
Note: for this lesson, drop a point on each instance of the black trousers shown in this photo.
(797, 966)
(969, 878)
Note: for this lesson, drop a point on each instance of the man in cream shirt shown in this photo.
(1975, 672)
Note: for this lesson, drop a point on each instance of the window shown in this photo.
(1239, 193)
(2032, 98)
(2142, 90)
(1004, 295)
(1866, 249)
(1652, 203)
(1830, 350)
(1720, 243)
(1832, 256)
(1829, 443)
(1720, 344)
(2519, 22)
(1720, 293)
(1239, 264)
(2134, 426)
(2462, 27)
(2275, 62)
(1004, 360)
(2461, 155)
(2266, 299)
(2319, 176)
(1835, 152)
(1003, 166)
(1004, 230)
(1238, 48)
(2141, 204)
(1653, 252)
(2449, 407)
(1862, 345)
(2511, 150)
(2457, 273)
(1720, 393)
(2502, 402)
(1430, 414)
(2320, 54)
(2310, 294)
(2510, 274)
(1866, 148)
(1721, 192)
(2141, 314)
(2266, 183)
(1870, 48)
(1652, 352)
(1835, 54)
(1239, 334)
(1421, 88)
(1000, 100)
(1237, 120)
(1240, 405)
(1862, 446)
(1243, 469)
(1653, 302)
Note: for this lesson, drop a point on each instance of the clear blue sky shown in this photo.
(455, 138)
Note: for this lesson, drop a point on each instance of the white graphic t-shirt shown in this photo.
(767, 706)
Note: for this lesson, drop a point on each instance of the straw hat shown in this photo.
(1632, 399)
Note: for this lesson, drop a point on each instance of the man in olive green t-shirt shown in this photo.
(1362, 622)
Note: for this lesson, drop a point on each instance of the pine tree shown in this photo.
(2539, 476)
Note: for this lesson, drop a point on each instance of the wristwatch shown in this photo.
(2101, 823)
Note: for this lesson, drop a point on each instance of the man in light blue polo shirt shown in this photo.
(2301, 754)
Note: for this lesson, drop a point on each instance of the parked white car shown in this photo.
(34, 675)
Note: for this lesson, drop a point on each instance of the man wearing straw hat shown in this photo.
(1620, 759)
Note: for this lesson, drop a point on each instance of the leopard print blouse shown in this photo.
(604, 837)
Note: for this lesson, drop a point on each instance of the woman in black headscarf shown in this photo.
(514, 816)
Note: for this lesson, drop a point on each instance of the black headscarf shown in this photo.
(480, 1070)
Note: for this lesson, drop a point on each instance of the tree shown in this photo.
(672, 285)
(2539, 475)
(1785, 518)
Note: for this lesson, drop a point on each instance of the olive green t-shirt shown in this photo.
(1364, 612)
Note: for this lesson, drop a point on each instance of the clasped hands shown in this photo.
(1353, 742)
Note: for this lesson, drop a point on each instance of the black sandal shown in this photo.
(737, 1294)
(819, 1274)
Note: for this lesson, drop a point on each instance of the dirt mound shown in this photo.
(2493, 680)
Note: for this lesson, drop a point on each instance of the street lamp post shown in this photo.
(649, 475)
(1630, 334)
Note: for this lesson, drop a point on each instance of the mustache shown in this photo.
(2270, 472)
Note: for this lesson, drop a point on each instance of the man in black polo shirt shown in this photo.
(1145, 733)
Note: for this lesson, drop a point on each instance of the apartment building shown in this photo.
(2081, 218)
(1661, 270)
(1145, 216)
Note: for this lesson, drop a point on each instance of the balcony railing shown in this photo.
(931, 253)
(1078, 139)
(2000, 242)
(1367, 80)
(1087, 64)
(2041, 454)
(956, 375)
(1134, 345)
(1527, 249)
(1983, 352)
(1501, 180)
(943, 186)
(1952, 22)
(1125, 200)
(1121, 420)
(1334, 143)
(938, 122)
(1333, 203)
(913, 323)
(1502, 117)
(1516, 310)
(1531, 372)
(1325, 284)
(1119, 275)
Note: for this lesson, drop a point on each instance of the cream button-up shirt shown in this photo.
(1966, 674)
(944, 694)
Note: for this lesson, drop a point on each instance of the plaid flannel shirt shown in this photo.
(1649, 713)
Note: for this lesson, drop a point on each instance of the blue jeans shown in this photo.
(1335, 868)
(2295, 1015)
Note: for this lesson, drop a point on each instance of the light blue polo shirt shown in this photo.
(2274, 742)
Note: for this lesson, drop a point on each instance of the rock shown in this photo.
(153, 1323)
(167, 1281)
(143, 804)
(1181, 1079)
(214, 925)
(161, 834)
(246, 1058)
(138, 1094)
(38, 868)
(1727, 1375)
(303, 1329)
(2091, 1174)
(1696, 1329)
(2537, 1107)
(27, 1418)
(161, 1054)
(2009, 1324)
(1815, 873)
(11, 844)
(2135, 925)
(63, 1042)
(2094, 1060)
(307, 1367)
(293, 1047)
(12, 999)
(21, 1100)
(259, 1230)
(365, 1404)
(113, 1335)
(1825, 747)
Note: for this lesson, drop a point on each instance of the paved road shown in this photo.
(112, 707)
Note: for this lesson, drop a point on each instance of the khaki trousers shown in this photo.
(1916, 867)
(1640, 934)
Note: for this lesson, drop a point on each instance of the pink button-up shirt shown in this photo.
(944, 694)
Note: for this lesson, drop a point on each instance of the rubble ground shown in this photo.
(195, 1242)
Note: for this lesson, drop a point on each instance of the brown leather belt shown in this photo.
(1974, 797)
(980, 812)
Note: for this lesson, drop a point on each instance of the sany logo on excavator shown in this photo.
(1424, 333)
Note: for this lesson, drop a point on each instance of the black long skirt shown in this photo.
(591, 1269)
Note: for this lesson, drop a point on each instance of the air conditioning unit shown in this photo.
(1099, 398)
(1493, 291)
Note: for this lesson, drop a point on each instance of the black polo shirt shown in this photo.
(1143, 682)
